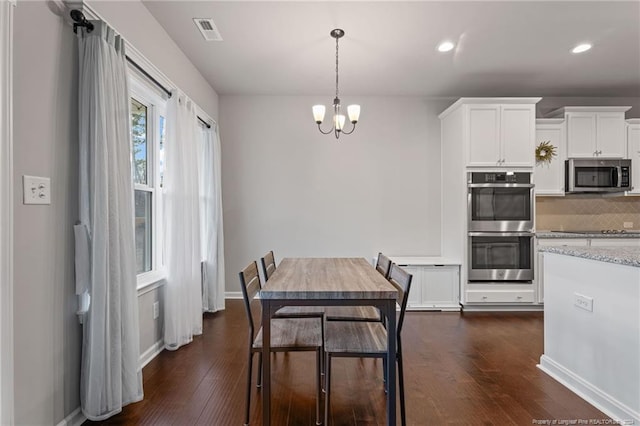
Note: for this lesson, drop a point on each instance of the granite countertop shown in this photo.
(586, 234)
(621, 255)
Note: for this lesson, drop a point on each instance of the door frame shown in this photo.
(6, 212)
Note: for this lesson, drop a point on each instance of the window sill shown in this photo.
(149, 281)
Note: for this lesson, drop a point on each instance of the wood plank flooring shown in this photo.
(460, 369)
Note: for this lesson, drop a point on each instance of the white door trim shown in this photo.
(6, 211)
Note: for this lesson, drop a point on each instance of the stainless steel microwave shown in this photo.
(597, 175)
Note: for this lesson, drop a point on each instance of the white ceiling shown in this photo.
(504, 48)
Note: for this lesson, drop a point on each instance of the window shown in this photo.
(147, 138)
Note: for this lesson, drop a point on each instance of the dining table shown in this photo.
(330, 281)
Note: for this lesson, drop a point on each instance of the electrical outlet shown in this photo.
(37, 190)
(583, 302)
(627, 225)
(156, 310)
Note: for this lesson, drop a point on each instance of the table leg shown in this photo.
(391, 362)
(266, 362)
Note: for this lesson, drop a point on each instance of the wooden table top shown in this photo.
(327, 278)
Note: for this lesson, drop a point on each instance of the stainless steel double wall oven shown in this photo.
(500, 225)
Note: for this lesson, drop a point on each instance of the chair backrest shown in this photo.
(401, 280)
(268, 265)
(250, 286)
(383, 265)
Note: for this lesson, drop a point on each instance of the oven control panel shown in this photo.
(500, 177)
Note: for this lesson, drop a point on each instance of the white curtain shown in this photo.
(110, 376)
(211, 221)
(183, 292)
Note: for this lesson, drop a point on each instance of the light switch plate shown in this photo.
(37, 190)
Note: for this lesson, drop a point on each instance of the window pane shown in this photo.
(162, 134)
(139, 139)
(143, 231)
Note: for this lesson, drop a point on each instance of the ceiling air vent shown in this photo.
(208, 29)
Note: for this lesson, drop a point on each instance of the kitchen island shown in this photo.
(592, 325)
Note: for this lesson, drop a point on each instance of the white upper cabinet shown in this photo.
(633, 152)
(549, 177)
(500, 135)
(594, 131)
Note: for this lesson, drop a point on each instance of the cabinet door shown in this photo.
(610, 137)
(549, 177)
(517, 135)
(415, 292)
(440, 287)
(633, 152)
(581, 134)
(483, 135)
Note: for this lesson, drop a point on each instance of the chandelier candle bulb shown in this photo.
(318, 113)
(354, 113)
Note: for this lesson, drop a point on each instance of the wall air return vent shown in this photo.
(208, 29)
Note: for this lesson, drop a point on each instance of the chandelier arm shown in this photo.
(352, 129)
(327, 132)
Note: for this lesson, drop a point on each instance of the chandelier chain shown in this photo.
(337, 67)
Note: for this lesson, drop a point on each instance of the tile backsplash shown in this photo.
(586, 213)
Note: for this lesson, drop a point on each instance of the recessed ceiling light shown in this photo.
(583, 47)
(445, 46)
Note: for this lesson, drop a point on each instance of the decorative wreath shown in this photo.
(545, 152)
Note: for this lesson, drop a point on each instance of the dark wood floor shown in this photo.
(465, 369)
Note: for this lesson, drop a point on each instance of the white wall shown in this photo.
(47, 333)
(288, 188)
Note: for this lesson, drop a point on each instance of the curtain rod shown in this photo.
(157, 83)
(200, 119)
(80, 21)
(149, 76)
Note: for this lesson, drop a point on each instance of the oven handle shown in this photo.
(501, 234)
(500, 185)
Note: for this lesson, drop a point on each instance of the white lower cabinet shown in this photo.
(434, 286)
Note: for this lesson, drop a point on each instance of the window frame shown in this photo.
(149, 96)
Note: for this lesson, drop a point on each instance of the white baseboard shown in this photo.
(502, 308)
(151, 353)
(233, 295)
(74, 419)
(590, 393)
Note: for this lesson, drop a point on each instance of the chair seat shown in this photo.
(344, 337)
(300, 334)
(352, 313)
(300, 311)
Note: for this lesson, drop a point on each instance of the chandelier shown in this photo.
(338, 117)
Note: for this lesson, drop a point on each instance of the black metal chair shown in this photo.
(287, 335)
(362, 339)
